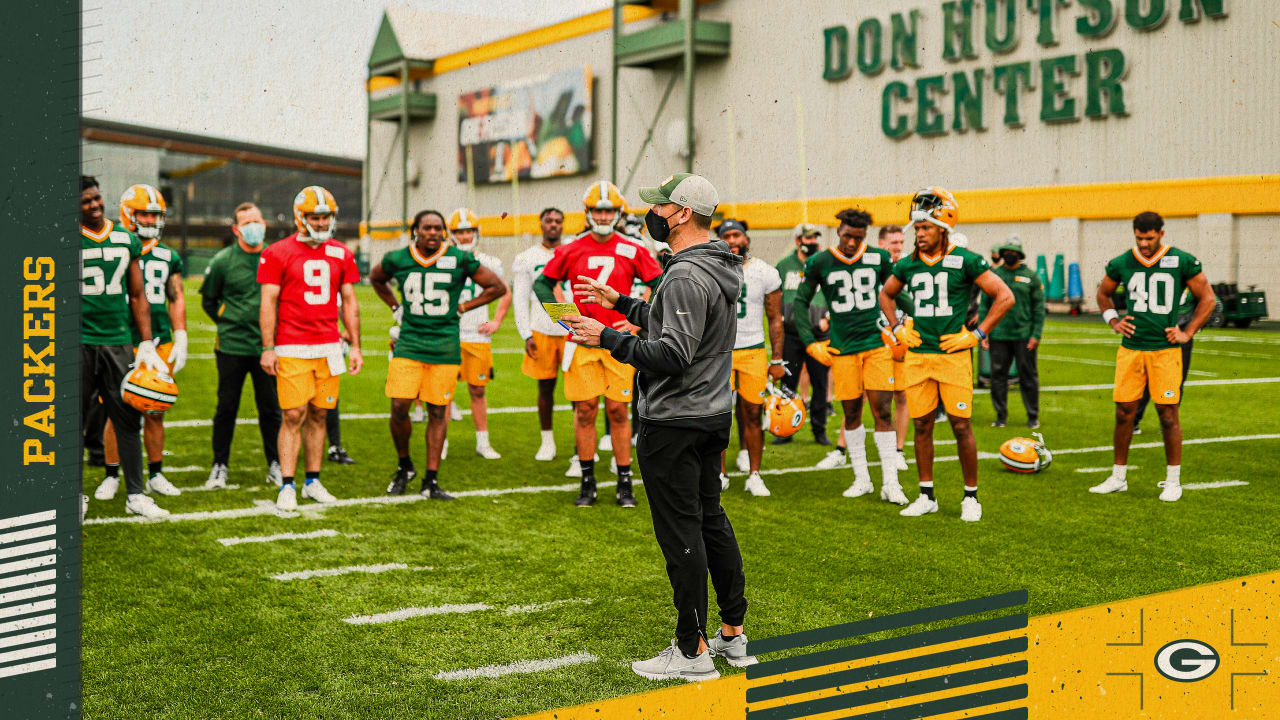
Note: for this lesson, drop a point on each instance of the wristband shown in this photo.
(1109, 314)
(981, 335)
(777, 362)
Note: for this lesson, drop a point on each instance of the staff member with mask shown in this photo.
(231, 296)
(685, 408)
(1017, 336)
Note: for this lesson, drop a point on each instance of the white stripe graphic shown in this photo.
(37, 636)
(27, 623)
(20, 535)
(228, 542)
(28, 667)
(517, 668)
(39, 591)
(35, 607)
(35, 577)
(29, 548)
(25, 653)
(413, 612)
(31, 519)
(13, 567)
(1214, 485)
(333, 572)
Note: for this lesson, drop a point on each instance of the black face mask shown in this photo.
(810, 248)
(1010, 258)
(659, 230)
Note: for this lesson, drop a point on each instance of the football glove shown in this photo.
(178, 355)
(397, 314)
(955, 342)
(907, 335)
(822, 352)
(898, 349)
(148, 357)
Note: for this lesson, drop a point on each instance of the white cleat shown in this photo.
(922, 506)
(315, 491)
(419, 414)
(274, 476)
(287, 499)
(160, 484)
(902, 460)
(455, 412)
(859, 488)
(755, 485)
(1172, 491)
(546, 452)
(1113, 484)
(970, 510)
(84, 507)
(724, 482)
(605, 444)
(217, 477)
(146, 507)
(834, 459)
(744, 461)
(575, 468)
(893, 494)
(444, 451)
(107, 489)
(488, 453)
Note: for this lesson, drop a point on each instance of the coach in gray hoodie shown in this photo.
(685, 408)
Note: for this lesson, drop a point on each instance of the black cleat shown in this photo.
(433, 491)
(97, 459)
(400, 481)
(821, 438)
(338, 454)
(587, 495)
(626, 498)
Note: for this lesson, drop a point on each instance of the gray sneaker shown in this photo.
(671, 664)
(733, 651)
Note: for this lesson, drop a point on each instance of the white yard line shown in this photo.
(1103, 469)
(201, 488)
(334, 572)
(517, 668)
(1107, 363)
(413, 612)
(228, 542)
(1213, 485)
(538, 607)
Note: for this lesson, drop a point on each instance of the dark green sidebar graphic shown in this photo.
(40, 363)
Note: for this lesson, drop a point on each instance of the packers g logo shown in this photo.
(961, 405)
(1168, 393)
(1187, 660)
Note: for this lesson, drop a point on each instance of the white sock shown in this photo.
(482, 438)
(856, 440)
(1173, 474)
(1118, 471)
(548, 437)
(887, 446)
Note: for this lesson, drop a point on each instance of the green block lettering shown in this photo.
(870, 59)
(968, 103)
(1055, 105)
(835, 53)
(1002, 44)
(1105, 69)
(1011, 80)
(904, 40)
(894, 126)
(1191, 9)
(928, 120)
(957, 31)
(1100, 22)
(1046, 8)
(1153, 18)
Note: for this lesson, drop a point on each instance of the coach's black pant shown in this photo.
(1146, 391)
(102, 370)
(231, 372)
(681, 468)
(795, 356)
(1002, 352)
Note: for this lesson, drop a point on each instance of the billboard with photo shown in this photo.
(538, 126)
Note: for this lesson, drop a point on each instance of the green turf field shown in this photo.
(177, 625)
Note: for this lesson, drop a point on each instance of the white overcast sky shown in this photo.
(277, 72)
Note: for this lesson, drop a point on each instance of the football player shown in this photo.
(938, 366)
(543, 339)
(142, 210)
(1149, 358)
(476, 329)
(849, 276)
(111, 297)
(302, 278)
(427, 354)
(761, 297)
(890, 238)
(617, 261)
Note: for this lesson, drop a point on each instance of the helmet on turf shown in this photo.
(149, 391)
(603, 195)
(783, 411)
(464, 219)
(937, 206)
(142, 198)
(1024, 455)
(314, 200)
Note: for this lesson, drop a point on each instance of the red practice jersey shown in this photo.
(617, 262)
(309, 279)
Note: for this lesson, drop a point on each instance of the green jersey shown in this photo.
(430, 292)
(1153, 287)
(851, 286)
(791, 270)
(231, 296)
(940, 290)
(159, 262)
(105, 318)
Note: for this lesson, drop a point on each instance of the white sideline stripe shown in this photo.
(413, 612)
(201, 488)
(228, 542)
(558, 408)
(1104, 469)
(1213, 485)
(185, 468)
(1108, 363)
(538, 607)
(333, 572)
(517, 668)
(397, 499)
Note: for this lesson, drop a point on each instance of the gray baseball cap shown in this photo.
(686, 190)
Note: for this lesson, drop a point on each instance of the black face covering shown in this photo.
(1010, 258)
(811, 248)
(659, 230)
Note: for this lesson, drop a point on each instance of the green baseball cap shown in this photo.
(686, 190)
(1014, 244)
